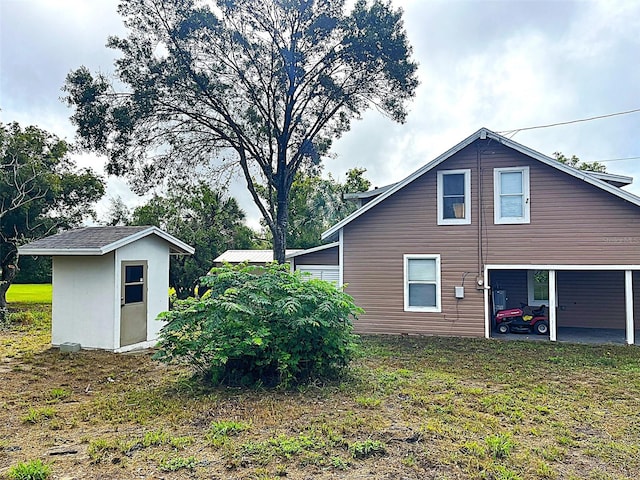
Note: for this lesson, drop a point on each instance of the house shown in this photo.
(428, 254)
(319, 262)
(109, 284)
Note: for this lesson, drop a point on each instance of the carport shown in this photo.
(586, 303)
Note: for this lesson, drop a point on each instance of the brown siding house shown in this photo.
(491, 214)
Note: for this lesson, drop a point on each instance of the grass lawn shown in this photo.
(29, 293)
(411, 408)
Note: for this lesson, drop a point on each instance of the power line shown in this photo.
(512, 133)
(615, 159)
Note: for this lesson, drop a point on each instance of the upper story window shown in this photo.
(422, 283)
(454, 197)
(511, 195)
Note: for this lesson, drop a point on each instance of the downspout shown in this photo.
(480, 280)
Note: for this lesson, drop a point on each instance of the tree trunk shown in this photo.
(281, 227)
(9, 271)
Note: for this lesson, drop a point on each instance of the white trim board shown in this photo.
(542, 266)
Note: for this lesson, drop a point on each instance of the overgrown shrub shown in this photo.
(261, 325)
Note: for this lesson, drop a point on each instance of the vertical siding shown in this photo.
(571, 223)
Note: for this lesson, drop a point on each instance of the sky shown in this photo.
(504, 65)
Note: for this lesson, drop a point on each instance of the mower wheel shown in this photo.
(503, 328)
(541, 328)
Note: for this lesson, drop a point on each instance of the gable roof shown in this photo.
(598, 180)
(99, 241)
(251, 256)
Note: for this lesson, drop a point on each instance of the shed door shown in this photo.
(133, 303)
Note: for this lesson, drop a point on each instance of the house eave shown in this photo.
(55, 252)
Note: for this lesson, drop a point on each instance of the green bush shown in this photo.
(261, 325)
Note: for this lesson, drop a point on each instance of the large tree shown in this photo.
(202, 217)
(263, 85)
(41, 191)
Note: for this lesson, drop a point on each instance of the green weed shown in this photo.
(367, 448)
(58, 394)
(177, 463)
(500, 445)
(37, 415)
(32, 470)
(368, 402)
(220, 431)
(503, 473)
(157, 437)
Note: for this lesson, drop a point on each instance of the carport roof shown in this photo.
(99, 241)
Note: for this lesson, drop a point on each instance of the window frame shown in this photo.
(531, 289)
(467, 197)
(438, 306)
(498, 218)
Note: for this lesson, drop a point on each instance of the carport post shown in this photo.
(553, 307)
(628, 295)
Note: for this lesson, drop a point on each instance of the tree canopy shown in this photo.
(265, 86)
(575, 162)
(200, 216)
(316, 203)
(41, 190)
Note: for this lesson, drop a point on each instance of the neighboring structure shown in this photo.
(109, 284)
(321, 262)
(252, 257)
(493, 215)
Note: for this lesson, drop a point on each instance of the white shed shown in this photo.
(109, 284)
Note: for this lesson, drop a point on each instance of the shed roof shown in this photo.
(597, 179)
(99, 241)
(251, 256)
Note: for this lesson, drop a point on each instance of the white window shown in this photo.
(511, 195)
(538, 286)
(422, 283)
(454, 197)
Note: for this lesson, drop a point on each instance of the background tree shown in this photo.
(118, 213)
(201, 217)
(41, 191)
(34, 270)
(265, 85)
(316, 203)
(575, 162)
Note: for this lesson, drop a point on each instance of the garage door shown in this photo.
(329, 273)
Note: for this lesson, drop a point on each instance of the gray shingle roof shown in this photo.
(97, 241)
